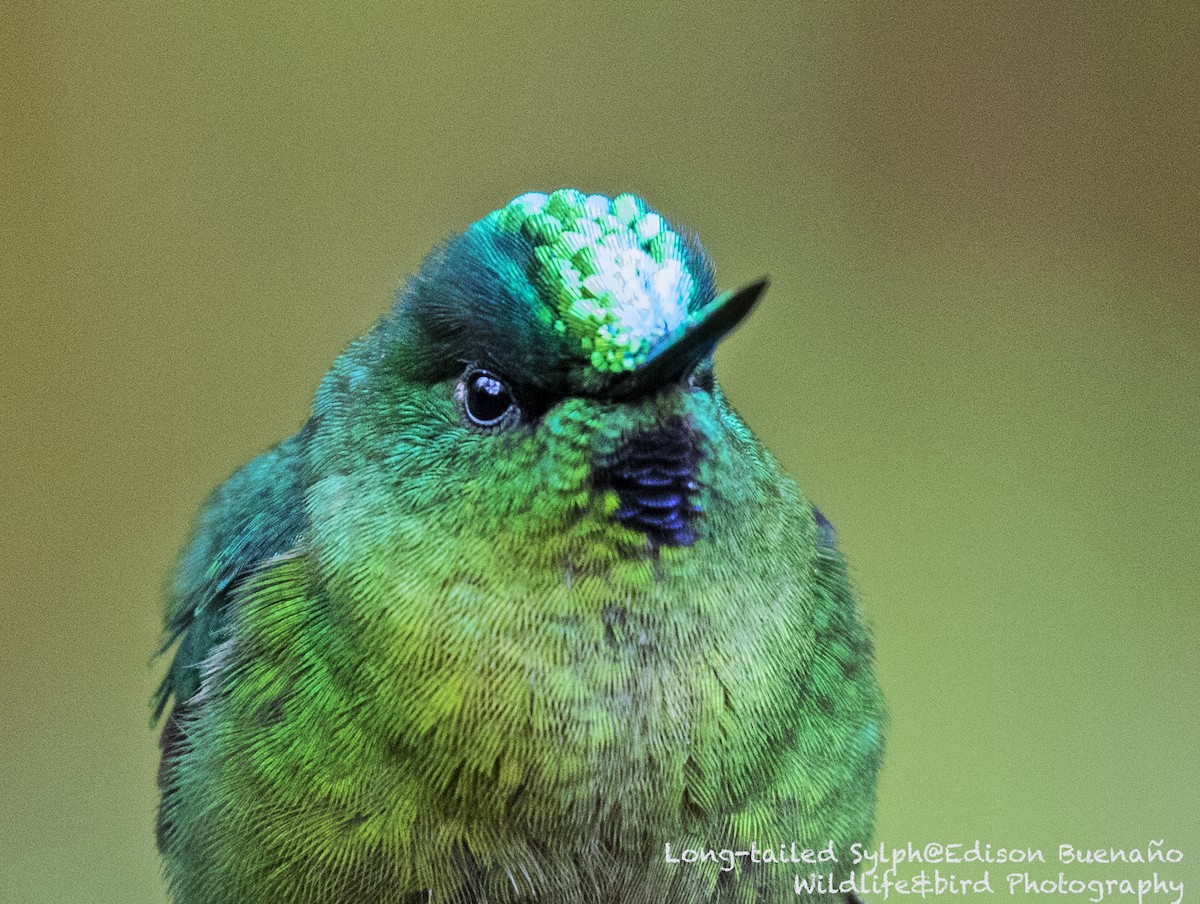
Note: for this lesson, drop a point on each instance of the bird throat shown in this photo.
(654, 474)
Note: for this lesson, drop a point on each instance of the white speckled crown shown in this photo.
(613, 272)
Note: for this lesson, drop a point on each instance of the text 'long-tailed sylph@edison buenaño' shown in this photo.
(522, 602)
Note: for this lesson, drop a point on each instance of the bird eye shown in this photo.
(487, 400)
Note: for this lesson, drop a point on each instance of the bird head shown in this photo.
(547, 375)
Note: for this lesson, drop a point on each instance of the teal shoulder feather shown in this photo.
(256, 514)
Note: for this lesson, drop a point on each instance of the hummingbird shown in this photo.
(524, 612)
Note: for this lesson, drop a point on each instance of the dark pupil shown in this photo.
(487, 399)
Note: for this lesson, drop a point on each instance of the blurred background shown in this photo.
(978, 354)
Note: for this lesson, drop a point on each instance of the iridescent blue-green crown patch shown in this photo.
(612, 270)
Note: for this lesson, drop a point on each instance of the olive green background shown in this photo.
(978, 354)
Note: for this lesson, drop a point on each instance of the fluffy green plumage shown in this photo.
(423, 659)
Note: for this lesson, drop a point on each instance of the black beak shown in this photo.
(678, 352)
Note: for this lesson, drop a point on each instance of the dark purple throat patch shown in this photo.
(654, 476)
